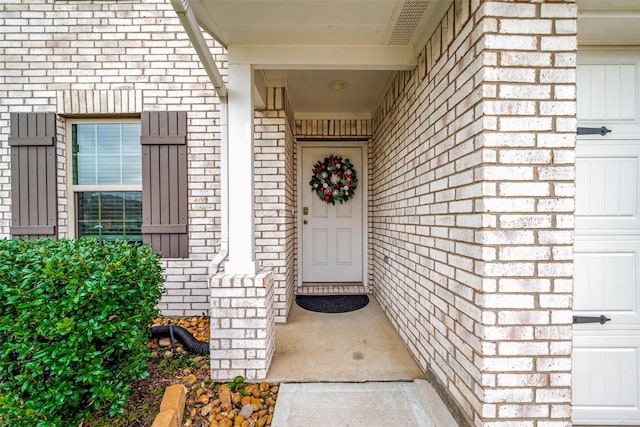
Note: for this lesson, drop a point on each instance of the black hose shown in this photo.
(190, 343)
(171, 338)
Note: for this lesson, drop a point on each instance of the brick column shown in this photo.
(242, 325)
(275, 198)
(529, 106)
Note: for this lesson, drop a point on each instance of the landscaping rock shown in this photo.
(215, 405)
(190, 380)
(246, 411)
(225, 398)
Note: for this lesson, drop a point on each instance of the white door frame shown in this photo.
(363, 181)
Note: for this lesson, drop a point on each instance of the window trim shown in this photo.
(72, 188)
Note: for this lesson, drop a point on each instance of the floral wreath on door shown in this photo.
(334, 179)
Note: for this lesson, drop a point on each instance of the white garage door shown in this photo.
(606, 357)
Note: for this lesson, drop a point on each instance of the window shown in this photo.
(127, 179)
(107, 179)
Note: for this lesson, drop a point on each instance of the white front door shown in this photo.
(331, 234)
(606, 357)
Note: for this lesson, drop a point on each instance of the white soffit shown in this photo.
(374, 28)
(608, 22)
(306, 44)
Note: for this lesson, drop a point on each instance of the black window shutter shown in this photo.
(34, 211)
(164, 182)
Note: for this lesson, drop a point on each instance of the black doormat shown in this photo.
(332, 303)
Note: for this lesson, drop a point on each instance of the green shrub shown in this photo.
(74, 321)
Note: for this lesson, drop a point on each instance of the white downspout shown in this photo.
(191, 27)
(190, 24)
(214, 266)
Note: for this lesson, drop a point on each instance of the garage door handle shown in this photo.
(594, 131)
(602, 319)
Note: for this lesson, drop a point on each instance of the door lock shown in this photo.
(305, 211)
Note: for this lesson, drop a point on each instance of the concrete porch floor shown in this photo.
(357, 346)
(349, 370)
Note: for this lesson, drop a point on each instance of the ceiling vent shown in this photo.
(409, 18)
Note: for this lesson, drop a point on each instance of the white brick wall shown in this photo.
(275, 184)
(429, 286)
(471, 182)
(477, 223)
(544, 291)
(107, 57)
(118, 58)
(333, 128)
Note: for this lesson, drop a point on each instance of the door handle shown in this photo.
(602, 319)
(593, 131)
(305, 222)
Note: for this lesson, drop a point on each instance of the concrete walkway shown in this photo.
(371, 404)
(349, 370)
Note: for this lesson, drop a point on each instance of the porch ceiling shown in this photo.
(311, 97)
(306, 44)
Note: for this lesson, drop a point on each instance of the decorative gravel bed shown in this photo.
(209, 404)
